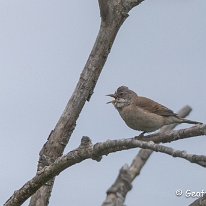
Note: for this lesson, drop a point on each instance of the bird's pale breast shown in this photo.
(142, 120)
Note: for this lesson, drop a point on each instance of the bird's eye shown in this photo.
(120, 94)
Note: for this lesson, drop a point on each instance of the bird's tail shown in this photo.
(190, 121)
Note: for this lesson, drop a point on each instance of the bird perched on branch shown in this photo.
(143, 114)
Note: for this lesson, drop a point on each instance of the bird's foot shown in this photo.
(141, 135)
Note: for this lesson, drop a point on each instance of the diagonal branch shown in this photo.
(89, 151)
(113, 15)
(200, 201)
(116, 194)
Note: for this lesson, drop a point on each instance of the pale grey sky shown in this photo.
(160, 52)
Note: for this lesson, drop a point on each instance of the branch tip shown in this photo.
(203, 127)
(85, 141)
(124, 167)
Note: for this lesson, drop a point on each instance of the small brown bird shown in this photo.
(143, 114)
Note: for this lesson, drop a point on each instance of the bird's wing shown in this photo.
(153, 107)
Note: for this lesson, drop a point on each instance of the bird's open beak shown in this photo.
(111, 95)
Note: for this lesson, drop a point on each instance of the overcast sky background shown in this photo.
(160, 52)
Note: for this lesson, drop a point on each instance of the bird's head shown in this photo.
(122, 97)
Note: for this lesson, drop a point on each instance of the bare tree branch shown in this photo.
(113, 13)
(116, 194)
(111, 8)
(85, 151)
(170, 136)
